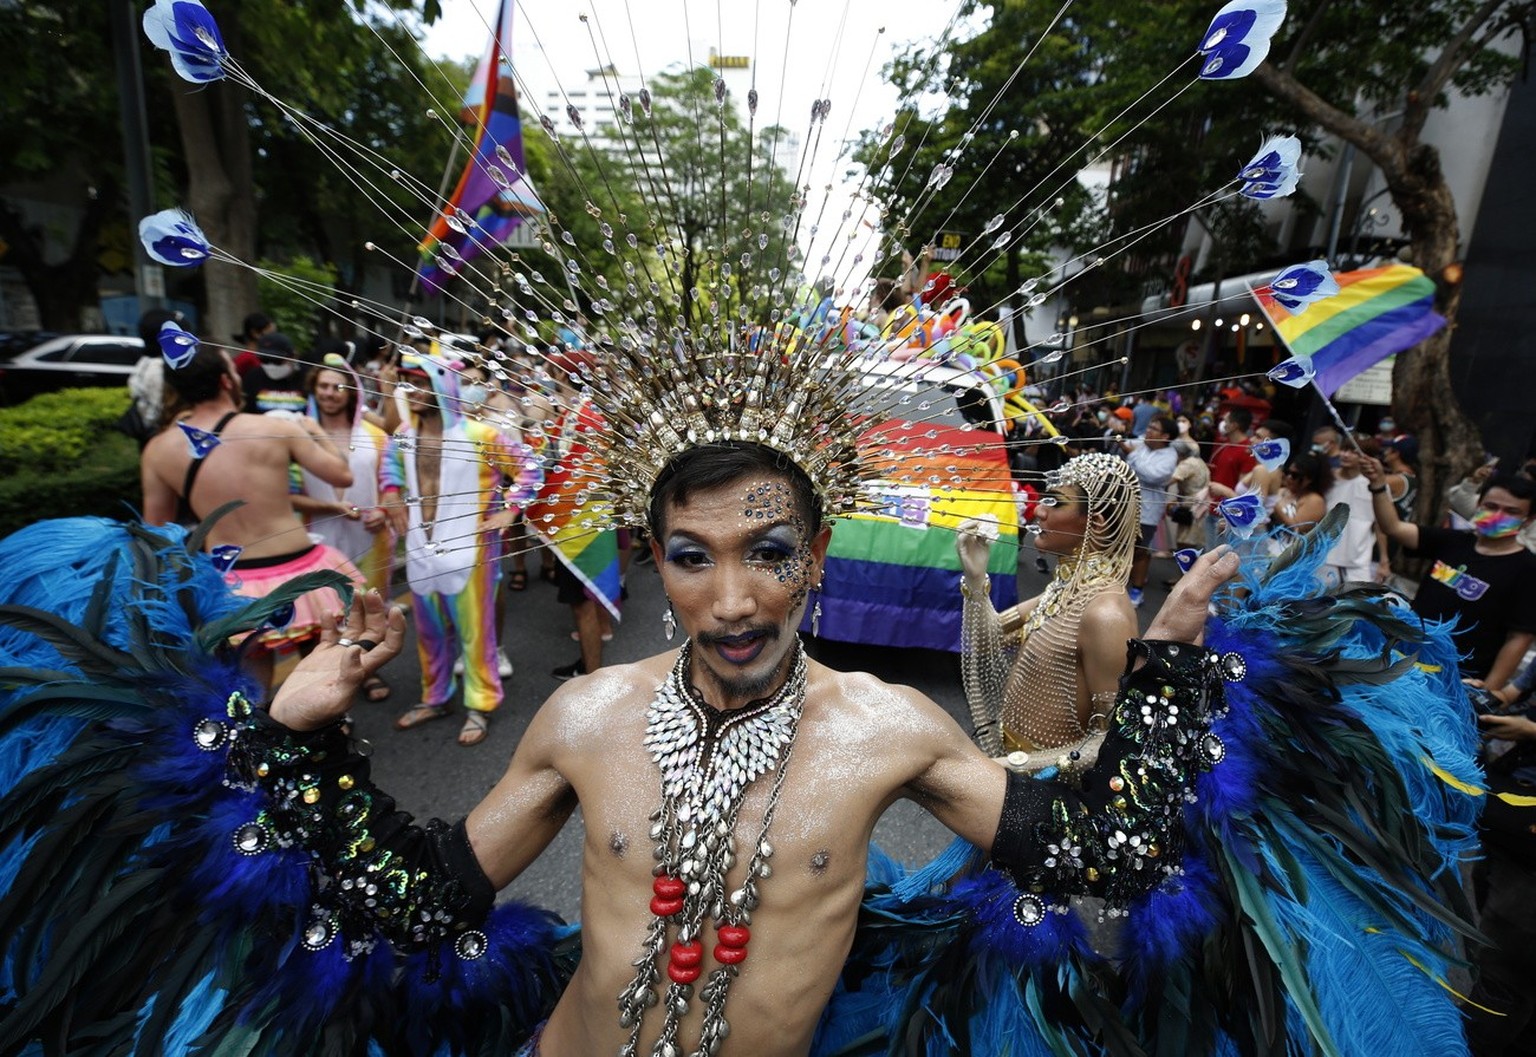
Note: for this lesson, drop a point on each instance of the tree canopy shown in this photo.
(257, 187)
(1367, 73)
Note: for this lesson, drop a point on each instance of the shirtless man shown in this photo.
(244, 457)
(739, 542)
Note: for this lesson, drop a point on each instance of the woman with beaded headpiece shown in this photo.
(1043, 674)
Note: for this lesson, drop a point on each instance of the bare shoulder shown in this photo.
(868, 708)
(1109, 613)
(590, 709)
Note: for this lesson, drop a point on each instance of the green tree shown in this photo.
(232, 159)
(339, 62)
(723, 214)
(60, 127)
(1369, 73)
(1004, 144)
(1023, 104)
(1373, 82)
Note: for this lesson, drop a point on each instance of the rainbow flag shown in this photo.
(493, 194)
(566, 522)
(892, 574)
(1377, 312)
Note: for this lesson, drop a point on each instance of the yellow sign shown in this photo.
(730, 62)
(947, 245)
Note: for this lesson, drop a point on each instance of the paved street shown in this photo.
(429, 774)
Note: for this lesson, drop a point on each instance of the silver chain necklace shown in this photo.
(707, 759)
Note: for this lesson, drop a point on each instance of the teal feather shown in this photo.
(211, 635)
(1372, 998)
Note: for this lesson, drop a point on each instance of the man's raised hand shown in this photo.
(1182, 618)
(321, 688)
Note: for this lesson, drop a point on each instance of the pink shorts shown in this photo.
(259, 577)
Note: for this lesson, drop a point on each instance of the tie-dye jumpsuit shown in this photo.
(452, 565)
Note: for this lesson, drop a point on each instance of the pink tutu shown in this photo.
(259, 577)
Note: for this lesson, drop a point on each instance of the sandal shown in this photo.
(422, 713)
(476, 727)
(518, 581)
(375, 689)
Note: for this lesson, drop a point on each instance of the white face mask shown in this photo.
(473, 394)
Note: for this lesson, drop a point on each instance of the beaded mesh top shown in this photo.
(1024, 680)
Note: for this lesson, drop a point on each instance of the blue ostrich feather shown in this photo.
(1009, 1017)
(1228, 793)
(518, 973)
(1371, 995)
(304, 990)
(230, 887)
(1170, 922)
(989, 896)
(936, 874)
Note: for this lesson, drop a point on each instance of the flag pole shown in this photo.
(1338, 419)
(442, 198)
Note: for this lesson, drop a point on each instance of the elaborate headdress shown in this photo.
(1113, 494)
(1021, 676)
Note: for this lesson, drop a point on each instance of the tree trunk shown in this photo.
(61, 290)
(221, 194)
(1013, 277)
(1450, 444)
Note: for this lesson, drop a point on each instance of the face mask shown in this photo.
(1103, 417)
(1495, 525)
(1387, 426)
(473, 394)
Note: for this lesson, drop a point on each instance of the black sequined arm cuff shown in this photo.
(1119, 833)
(417, 887)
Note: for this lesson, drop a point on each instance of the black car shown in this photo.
(67, 362)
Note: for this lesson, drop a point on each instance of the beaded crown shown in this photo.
(786, 394)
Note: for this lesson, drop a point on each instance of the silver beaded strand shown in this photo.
(708, 760)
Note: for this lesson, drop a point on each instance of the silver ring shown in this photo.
(344, 641)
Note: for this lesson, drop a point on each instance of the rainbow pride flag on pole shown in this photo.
(570, 524)
(1377, 312)
(493, 194)
(892, 575)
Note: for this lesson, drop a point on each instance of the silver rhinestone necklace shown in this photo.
(708, 759)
